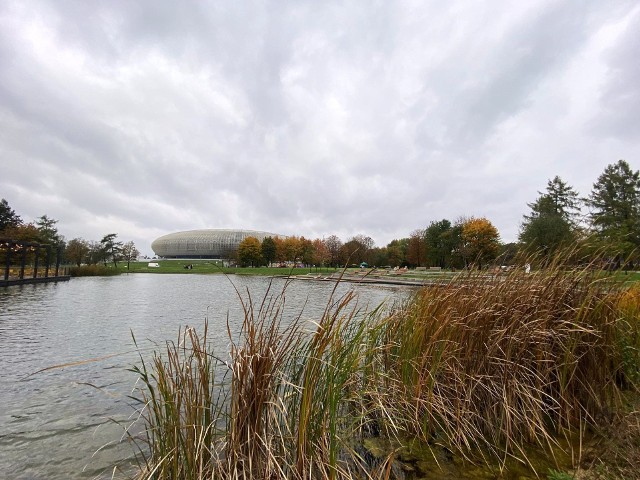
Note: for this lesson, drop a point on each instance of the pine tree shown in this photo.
(615, 207)
(8, 217)
(111, 249)
(558, 199)
(48, 231)
(553, 220)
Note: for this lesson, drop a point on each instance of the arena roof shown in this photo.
(209, 243)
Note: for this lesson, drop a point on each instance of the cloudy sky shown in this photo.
(309, 118)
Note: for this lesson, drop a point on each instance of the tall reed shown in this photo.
(483, 367)
(182, 407)
(497, 363)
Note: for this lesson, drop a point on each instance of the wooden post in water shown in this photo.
(36, 262)
(48, 261)
(7, 265)
(23, 260)
(58, 252)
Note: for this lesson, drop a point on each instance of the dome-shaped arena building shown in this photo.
(210, 243)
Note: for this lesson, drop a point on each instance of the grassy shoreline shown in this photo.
(207, 267)
(506, 380)
(198, 267)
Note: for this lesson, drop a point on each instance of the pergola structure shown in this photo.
(16, 253)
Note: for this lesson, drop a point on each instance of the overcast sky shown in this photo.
(309, 118)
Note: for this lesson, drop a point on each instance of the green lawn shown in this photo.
(210, 266)
(627, 277)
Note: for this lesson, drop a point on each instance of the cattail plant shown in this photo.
(485, 367)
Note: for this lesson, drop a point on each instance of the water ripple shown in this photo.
(67, 422)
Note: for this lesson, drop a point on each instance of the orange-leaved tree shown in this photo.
(250, 252)
(481, 240)
(321, 254)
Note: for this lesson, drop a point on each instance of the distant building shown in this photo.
(210, 243)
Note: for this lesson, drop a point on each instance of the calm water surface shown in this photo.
(68, 422)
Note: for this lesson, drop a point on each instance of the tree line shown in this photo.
(77, 251)
(469, 241)
(606, 223)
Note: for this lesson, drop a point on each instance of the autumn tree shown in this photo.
(280, 251)
(306, 251)
(614, 205)
(8, 217)
(397, 252)
(364, 240)
(357, 250)
(351, 253)
(481, 240)
(22, 232)
(334, 247)
(291, 249)
(250, 252)
(321, 255)
(25, 232)
(77, 251)
(416, 249)
(129, 252)
(268, 250)
(367, 245)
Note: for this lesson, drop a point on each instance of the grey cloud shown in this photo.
(482, 92)
(282, 116)
(620, 96)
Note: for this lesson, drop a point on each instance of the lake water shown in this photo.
(68, 422)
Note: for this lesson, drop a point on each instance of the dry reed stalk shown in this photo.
(254, 446)
(494, 364)
(482, 367)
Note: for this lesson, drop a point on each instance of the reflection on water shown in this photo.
(68, 422)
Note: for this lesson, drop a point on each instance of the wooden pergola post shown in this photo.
(58, 254)
(36, 261)
(48, 261)
(23, 260)
(7, 265)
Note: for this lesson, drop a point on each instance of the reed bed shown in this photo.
(484, 369)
